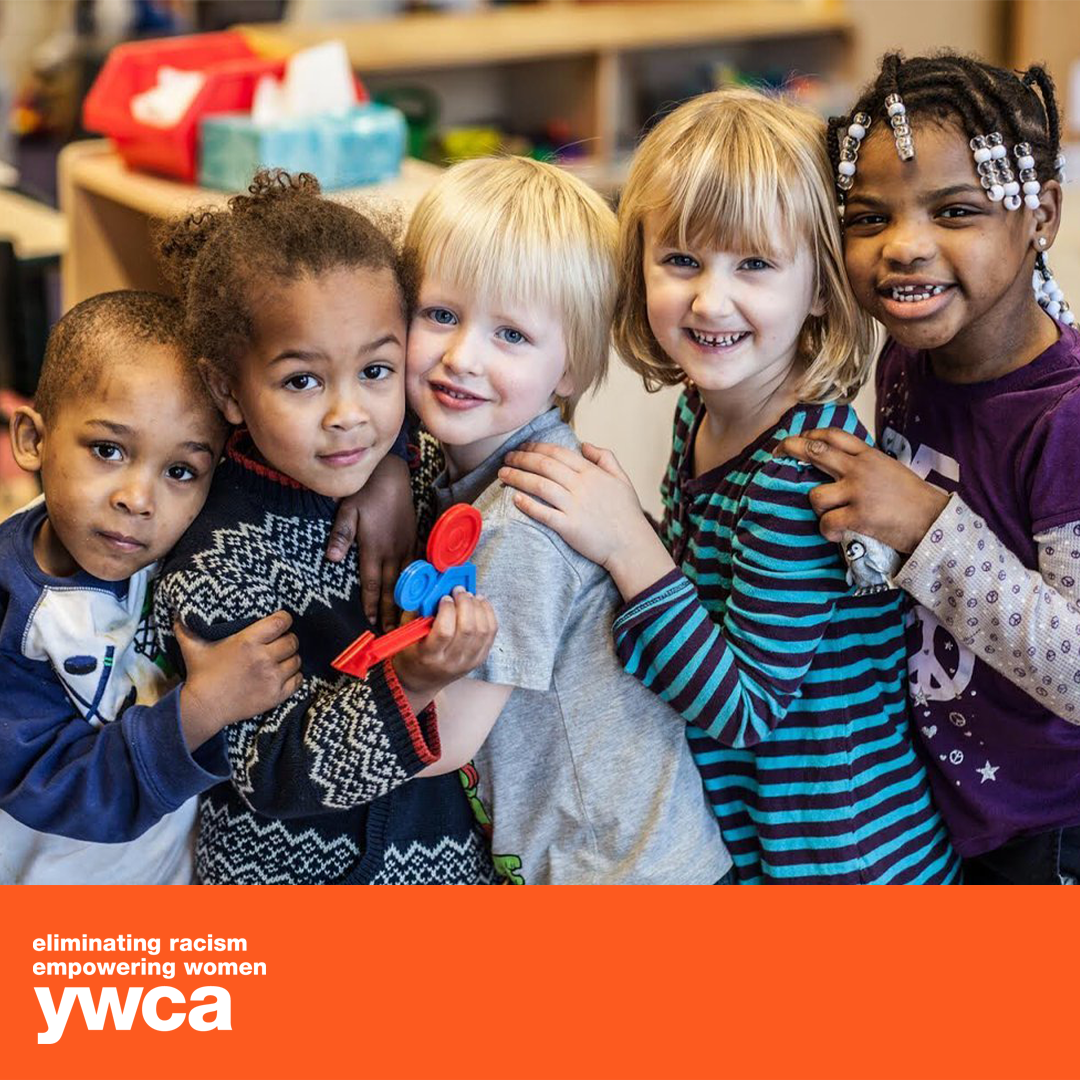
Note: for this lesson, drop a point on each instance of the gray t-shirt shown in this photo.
(587, 776)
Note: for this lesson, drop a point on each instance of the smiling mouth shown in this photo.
(455, 393)
(716, 341)
(910, 294)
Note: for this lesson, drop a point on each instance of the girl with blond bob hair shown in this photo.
(791, 684)
(726, 169)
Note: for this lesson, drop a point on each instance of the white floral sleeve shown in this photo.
(1023, 623)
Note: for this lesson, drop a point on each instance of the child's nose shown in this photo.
(906, 245)
(346, 411)
(135, 496)
(713, 298)
(459, 357)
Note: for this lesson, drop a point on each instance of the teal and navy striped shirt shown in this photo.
(794, 690)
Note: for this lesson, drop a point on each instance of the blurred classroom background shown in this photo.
(575, 81)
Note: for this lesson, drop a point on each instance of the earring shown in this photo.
(1041, 242)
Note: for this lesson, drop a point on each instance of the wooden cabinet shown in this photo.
(109, 209)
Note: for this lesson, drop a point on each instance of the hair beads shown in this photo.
(897, 111)
(1048, 293)
(849, 154)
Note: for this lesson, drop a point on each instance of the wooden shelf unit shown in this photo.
(583, 47)
(109, 209)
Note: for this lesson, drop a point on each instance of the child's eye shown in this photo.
(754, 263)
(511, 336)
(182, 473)
(957, 213)
(376, 372)
(865, 220)
(683, 262)
(301, 381)
(106, 451)
(442, 316)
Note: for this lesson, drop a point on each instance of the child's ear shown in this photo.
(1048, 213)
(221, 391)
(564, 388)
(27, 438)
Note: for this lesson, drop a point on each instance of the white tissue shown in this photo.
(268, 102)
(318, 81)
(164, 105)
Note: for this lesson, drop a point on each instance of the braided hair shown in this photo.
(976, 96)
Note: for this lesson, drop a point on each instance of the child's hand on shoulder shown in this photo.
(592, 505)
(459, 640)
(243, 675)
(381, 517)
(872, 493)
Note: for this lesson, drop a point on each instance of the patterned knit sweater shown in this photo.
(319, 790)
(793, 689)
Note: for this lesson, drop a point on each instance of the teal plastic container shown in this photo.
(363, 146)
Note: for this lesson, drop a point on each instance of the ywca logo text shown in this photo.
(163, 1008)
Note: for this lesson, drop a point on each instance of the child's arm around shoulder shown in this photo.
(734, 678)
(385, 517)
(590, 502)
(1024, 623)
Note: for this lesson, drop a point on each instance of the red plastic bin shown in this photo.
(232, 70)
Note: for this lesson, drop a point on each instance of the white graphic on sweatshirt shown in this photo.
(939, 668)
(101, 647)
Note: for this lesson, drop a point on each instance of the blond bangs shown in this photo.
(750, 199)
(478, 254)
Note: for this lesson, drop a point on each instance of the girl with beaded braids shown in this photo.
(948, 182)
(790, 685)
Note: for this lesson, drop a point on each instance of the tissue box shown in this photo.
(362, 146)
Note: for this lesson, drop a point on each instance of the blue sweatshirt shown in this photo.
(96, 781)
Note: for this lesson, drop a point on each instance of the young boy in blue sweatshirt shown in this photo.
(101, 752)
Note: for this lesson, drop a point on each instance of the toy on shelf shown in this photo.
(420, 588)
(231, 71)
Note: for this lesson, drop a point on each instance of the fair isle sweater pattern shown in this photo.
(320, 789)
(793, 690)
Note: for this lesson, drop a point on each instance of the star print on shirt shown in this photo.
(988, 772)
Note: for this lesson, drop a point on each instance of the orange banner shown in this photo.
(271, 983)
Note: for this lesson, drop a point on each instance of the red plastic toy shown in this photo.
(231, 67)
(420, 588)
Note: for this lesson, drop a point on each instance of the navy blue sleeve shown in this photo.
(60, 774)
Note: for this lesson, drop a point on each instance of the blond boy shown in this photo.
(583, 778)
